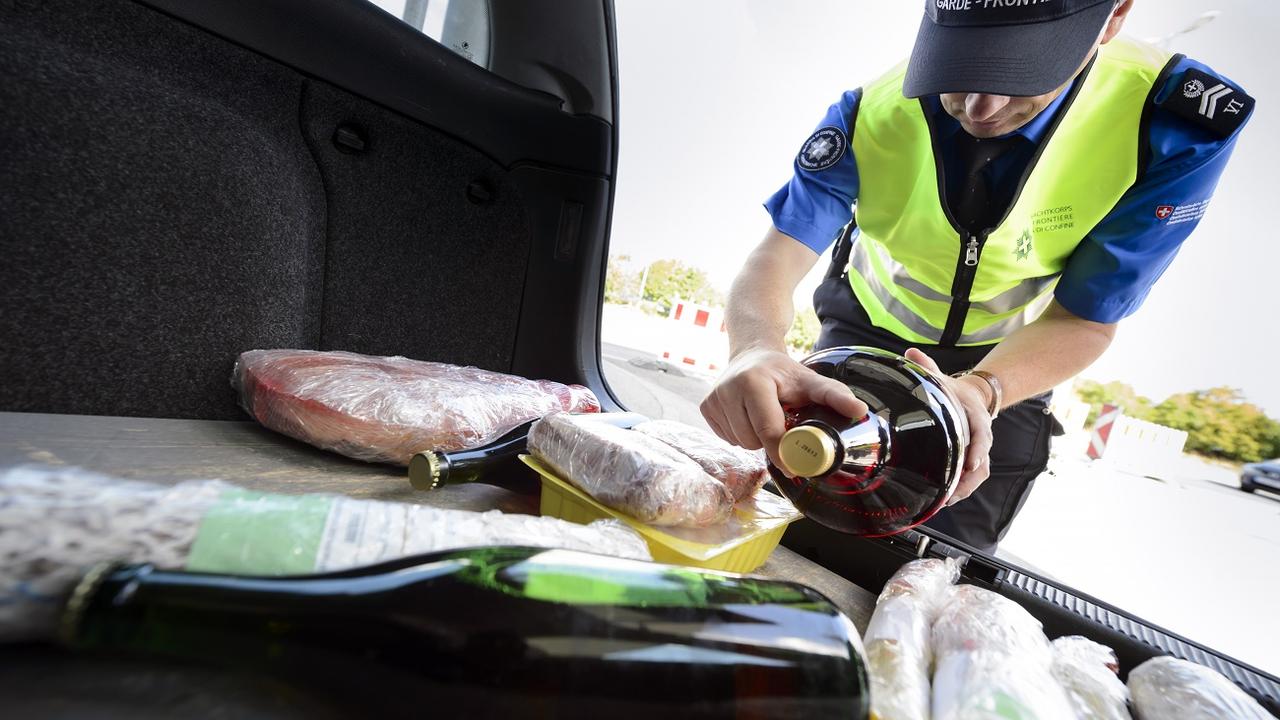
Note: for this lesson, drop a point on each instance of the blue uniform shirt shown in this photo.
(1112, 270)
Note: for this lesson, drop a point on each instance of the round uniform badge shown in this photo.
(823, 149)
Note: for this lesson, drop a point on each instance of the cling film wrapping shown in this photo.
(898, 641)
(993, 662)
(631, 472)
(1167, 688)
(1087, 671)
(385, 409)
(741, 470)
(57, 522)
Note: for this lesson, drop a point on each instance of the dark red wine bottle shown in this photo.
(883, 473)
(495, 632)
(497, 463)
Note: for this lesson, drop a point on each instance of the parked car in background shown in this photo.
(1264, 475)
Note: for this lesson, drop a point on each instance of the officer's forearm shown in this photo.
(1046, 353)
(760, 309)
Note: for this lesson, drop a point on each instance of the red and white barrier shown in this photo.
(1102, 431)
(1135, 446)
(697, 338)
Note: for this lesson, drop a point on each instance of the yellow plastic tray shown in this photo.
(741, 545)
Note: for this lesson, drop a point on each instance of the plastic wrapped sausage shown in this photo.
(993, 660)
(898, 639)
(385, 409)
(1167, 688)
(630, 472)
(743, 471)
(1087, 672)
(55, 522)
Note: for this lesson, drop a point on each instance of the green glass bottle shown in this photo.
(496, 632)
(497, 463)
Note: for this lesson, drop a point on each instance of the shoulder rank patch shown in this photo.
(1209, 102)
(823, 149)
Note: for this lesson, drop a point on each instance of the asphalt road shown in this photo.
(1189, 552)
(651, 386)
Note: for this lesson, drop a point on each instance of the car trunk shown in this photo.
(187, 181)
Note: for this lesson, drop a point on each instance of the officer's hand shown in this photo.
(972, 394)
(745, 406)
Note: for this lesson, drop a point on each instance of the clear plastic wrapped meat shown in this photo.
(1087, 672)
(743, 471)
(1167, 688)
(992, 659)
(55, 522)
(630, 472)
(898, 639)
(385, 409)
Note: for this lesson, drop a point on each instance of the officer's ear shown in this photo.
(1118, 15)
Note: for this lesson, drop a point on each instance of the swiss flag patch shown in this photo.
(1164, 211)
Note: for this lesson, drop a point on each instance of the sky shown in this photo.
(717, 96)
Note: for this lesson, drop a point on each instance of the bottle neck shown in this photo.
(431, 469)
(823, 444)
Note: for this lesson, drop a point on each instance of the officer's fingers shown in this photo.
(716, 428)
(815, 388)
(980, 438)
(714, 415)
(917, 356)
(765, 412)
(736, 419)
(970, 481)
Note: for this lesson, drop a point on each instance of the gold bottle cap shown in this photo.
(424, 471)
(807, 451)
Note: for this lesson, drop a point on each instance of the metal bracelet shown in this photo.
(997, 392)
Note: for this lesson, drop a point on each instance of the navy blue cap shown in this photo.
(1003, 47)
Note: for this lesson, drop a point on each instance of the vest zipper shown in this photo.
(966, 271)
(970, 244)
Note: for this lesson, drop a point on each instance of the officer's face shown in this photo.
(988, 116)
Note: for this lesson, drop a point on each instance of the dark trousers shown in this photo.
(1020, 449)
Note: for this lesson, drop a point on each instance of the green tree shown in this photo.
(1115, 393)
(804, 330)
(1221, 424)
(669, 280)
(621, 281)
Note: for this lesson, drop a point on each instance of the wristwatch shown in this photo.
(997, 392)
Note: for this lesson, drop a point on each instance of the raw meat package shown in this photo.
(630, 472)
(57, 522)
(385, 409)
(1166, 688)
(1087, 672)
(743, 471)
(993, 660)
(898, 639)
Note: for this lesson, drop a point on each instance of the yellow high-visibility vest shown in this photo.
(920, 276)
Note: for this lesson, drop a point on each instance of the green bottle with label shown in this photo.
(506, 632)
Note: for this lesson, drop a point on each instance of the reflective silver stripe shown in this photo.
(860, 263)
(994, 332)
(1018, 296)
(1022, 295)
(1001, 329)
(897, 273)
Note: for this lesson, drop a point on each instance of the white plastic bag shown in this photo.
(898, 640)
(1087, 672)
(993, 662)
(1167, 688)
